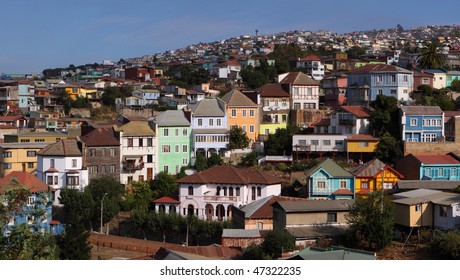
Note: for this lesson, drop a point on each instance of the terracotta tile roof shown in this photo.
(358, 111)
(442, 159)
(343, 192)
(272, 90)
(236, 98)
(11, 118)
(65, 147)
(25, 179)
(228, 63)
(100, 137)
(49, 170)
(450, 114)
(379, 68)
(299, 78)
(231, 175)
(322, 122)
(362, 137)
(167, 199)
(311, 57)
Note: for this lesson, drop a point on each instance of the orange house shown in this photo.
(242, 112)
(369, 177)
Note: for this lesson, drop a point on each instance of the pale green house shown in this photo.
(173, 132)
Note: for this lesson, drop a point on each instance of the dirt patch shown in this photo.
(408, 252)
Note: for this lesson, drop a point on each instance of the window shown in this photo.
(314, 142)
(72, 181)
(211, 122)
(184, 132)
(405, 78)
(276, 102)
(30, 165)
(165, 169)
(413, 122)
(251, 113)
(112, 152)
(364, 185)
(166, 132)
(425, 81)
(296, 106)
(141, 142)
(149, 142)
(166, 148)
(309, 105)
(266, 102)
(200, 122)
(343, 184)
(141, 178)
(253, 193)
(130, 179)
(184, 161)
(49, 180)
(338, 142)
(440, 172)
(219, 122)
(130, 142)
(244, 128)
(453, 172)
(418, 208)
(230, 191)
(74, 163)
(284, 102)
(184, 148)
(190, 190)
(225, 191)
(244, 113)
(92, 169)
(40, 140)
(52, 163)
(176, 148)
(149, 158)
(25, 140)
(112, 168)
(332, 217)
(251, 128)
(176, 132)
(31, 153)
(237, 190)
(56, 180)
(326, 142)
(259, 191)
(320, 185)
(103, 169)
(7, 154)
(393, 91)
(284, 118)
(393, 78)
(302, 143)
(92, 152)
(443, 211)
(380, 91)
(218, 190)
(233, 112)
(177, 169)
(363, 144)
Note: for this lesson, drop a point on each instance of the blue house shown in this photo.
(328, 180)
(37, 210)
(422, 123)
(366, 82)
(421, 167)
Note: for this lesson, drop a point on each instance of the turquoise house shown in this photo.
(328, 180)
(451, 76)
(173, 131)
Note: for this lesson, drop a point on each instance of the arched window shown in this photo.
(162, 208)
(253, 193)
(238, 191)
(225, 191)
(190, 210)
(218, 190)
(259, 191)
(172, 209)
(230, 191)
(190, 190)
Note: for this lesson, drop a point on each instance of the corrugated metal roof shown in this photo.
(427, 184)
(330, 167)
(172, 118)
(422, 110)
(211, 107)
(241, 233)
(236, 98)
(316, 205)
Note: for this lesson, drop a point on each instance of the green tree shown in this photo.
(78, 207)
(214, 159)
(200, 163)
(355, 52)
(455, 85)
(431, 56)
(73, 243)
(446, 245)
(280, 143)
(164, 185)
(371, 221)
(384, 117)
(388, 149)
(276, 242)
(253, 78)
(138, 197)
(109, 96)
(238, 138)
(254, 252)
(250, 159)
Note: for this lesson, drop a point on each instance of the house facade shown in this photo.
(312, 65)
(173, 132)
(421, 123)
(211, 194)
(350, 120)
(138, 151)
(424, 167)
(60, 165)
(366, 82)
(275, 104)
(209, 127)
(242, 112)
(328, 180)
(102, 153)
(303, 90)
(19, 157)
(335, 89)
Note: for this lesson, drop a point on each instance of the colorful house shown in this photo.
(421, 167)
(369, 177)
(350, 120)
(274, 101)
(242, 112)
(19, 157)
(422, 123)
(173, 131)
(328, 180)
(38, 199)
(303, 90)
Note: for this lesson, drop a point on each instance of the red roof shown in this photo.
(358, 111)
(228, 63)
(51, 170)
(343, 192)
(101, 137)
(54, 222)
(25, 179)
(311, 57)
(166, 199)
(443, 159)
(272, 90)
(72, 171)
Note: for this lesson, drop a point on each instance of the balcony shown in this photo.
(133, 164)
(218, 198)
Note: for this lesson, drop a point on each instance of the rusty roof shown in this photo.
(272, 90)
(22, 178)
(358, 111)
(100, 137)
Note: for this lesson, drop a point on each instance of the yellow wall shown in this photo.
(19, 160)
(407, 216)
(272, 127)
(354, 146)
(78, 92)
(375, 184)
(247, 121)
(45, 138)
(267, 224)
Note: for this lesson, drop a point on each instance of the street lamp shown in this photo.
(102, 210)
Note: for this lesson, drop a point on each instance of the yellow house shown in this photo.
(75, 91)
(369, 177)
(19, 157)
(35, 136)
(274, 101)
(242, 112)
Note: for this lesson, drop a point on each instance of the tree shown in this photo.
(384, 117)
(446, 245)
(164, 185)
(431, 57)
(73, 243)
(371, 221)
(280, 143)
(250, 159)
(276, 242)
(200, 163)
(214, 159)
(388, 149)
(355, 52)
(238, 138)
(109, 96)
(138, 197)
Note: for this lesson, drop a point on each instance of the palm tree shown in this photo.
(430, 57)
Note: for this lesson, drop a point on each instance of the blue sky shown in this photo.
(51, 33)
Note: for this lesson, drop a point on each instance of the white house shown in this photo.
(148, 96)
(138, 152)
(319, 143)
(313, 66)
(350, 120)
(209, 127)
(60, 165)
(304, 90)
(228, 70)
(212, 193)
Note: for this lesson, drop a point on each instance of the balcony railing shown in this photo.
(218, 198)
(132, 165)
